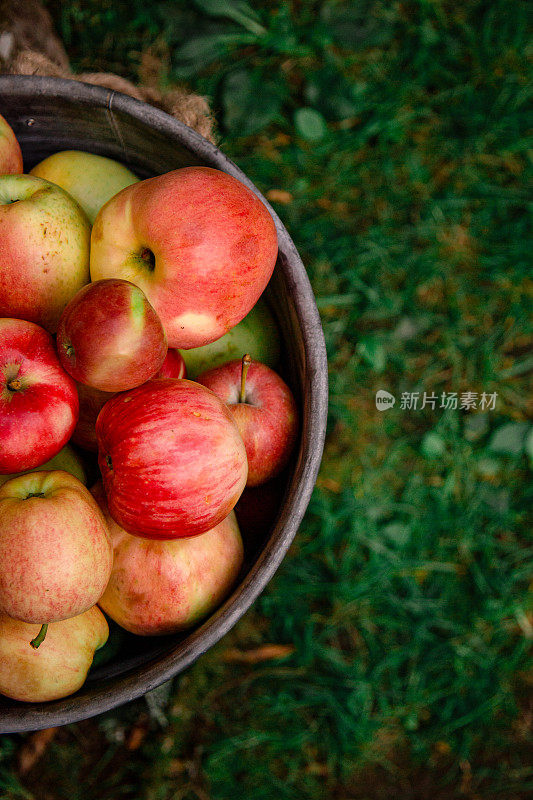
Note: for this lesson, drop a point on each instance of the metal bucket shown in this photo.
(51, 114)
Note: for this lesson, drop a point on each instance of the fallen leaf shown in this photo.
(34, 748)
(138, 733)
(265, 653)
(279, 196)
(329, 483)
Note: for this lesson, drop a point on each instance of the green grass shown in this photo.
(398, 135)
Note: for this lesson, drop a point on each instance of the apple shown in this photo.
(91, 403)
(109, 336)
(67, 459)
(198, 242)
(55, 549)
(163, 587)
(44, 249)
(172, 460)
(173, 366)
(265, 412)
(38, 400)
(59, 667)
(10, 153)
(256, 334)
(90, 179)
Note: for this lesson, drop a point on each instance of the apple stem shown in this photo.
(14, 385)
(39, 639)
(246, 361)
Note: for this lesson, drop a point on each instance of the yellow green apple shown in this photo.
(44, 249)
(67, 459)
(90, 179)
(60, 665)
(10, 154)
(257, 334)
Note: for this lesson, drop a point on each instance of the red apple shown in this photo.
(164, 587)
(173, 366)
(91, 403)
(109, 336)
(198, 242)
(44, 249)
(265, 412)
(38, 400)
(10, 154)
(172, 460)
(55, 550)
(60, 665)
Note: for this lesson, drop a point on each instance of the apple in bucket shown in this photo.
(60, 665)
(55, 550)
(44, 249)
(10, 153)
(256, 334)
(109, 336)
(173, 366)
(198, 242)
(172, 460)
(265, 412)
(159, 587)
(90, 179)
(38, 400)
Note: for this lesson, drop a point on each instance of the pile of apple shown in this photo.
(109, 287)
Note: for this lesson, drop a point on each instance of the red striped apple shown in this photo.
(44, 249)
(91, 403)
(198, 242)
(265, 412)
(164, 587)
(55, 550)
(172, 460)
(38, 400)
(173, 366)
(10, 154)
(109, 336)
(60, 665)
